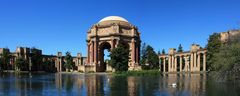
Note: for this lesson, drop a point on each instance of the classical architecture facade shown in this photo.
(108, 33)
(189, 61)
(229, 35)
(26, 54)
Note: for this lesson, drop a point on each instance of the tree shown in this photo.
(119, 58)
(163, 51)
(21, 64)
(151, 60)
(180, 48)
(227, 61)
(49, 66)
(1, 63)
(36, 58)
(69, 61)
(213, 47)
(143, 53)
(159, 52)
(5, 58)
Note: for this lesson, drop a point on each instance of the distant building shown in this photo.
(229, 35)
(26, 54)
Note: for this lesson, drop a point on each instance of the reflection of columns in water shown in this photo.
(91, 85)
(58, 81)
(172, 78)
(132, 86)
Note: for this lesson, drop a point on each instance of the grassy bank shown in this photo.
(138, 73)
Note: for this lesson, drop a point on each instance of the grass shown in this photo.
(138, 73)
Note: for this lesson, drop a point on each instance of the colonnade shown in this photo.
(191, 61)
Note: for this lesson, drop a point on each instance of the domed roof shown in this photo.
(116, 18)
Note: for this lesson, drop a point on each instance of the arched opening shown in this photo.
(104, 53)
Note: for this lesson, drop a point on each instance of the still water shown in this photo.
(45, 84)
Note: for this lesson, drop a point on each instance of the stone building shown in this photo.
(229, 35)
(108, 33)
(26, 54)
(188, 61)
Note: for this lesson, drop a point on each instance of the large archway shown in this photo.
(105, 46)
(107, 34)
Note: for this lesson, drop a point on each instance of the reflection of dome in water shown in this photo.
(115, 18)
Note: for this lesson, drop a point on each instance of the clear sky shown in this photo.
(61, 25)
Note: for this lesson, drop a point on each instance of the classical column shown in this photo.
(199, 63)
(191, 62)
(180, 63)
(88, 54)
(137, 53)
(95, 52)
(164, 64)
(204, 61)
(175, 63)
(195, 61)
(60, 63)
(169, 63)
(133, 52)
(172, 63)
(92, 52)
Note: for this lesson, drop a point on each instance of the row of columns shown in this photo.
(195, 62)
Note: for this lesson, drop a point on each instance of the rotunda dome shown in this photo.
(113, 18)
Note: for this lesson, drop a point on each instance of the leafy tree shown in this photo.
(5, 58)
(180, 48)
(227, 61)
(143, 53)
(213, 47)
(36, 58)
(69, 61)
(49, 66)
(1, 63)
(21, 64)
(119, 58)
(151, 60)
(163, 51)
(159, 52)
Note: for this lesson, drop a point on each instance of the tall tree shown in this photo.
(49, 66)
(152, 60)
(180, 48)
(119, 58)
(36, 58)
(163, 51)
(1, 63)
(21, 64)
(213, 47)
(5, 58)
(69, 61)
(143, 53)
(159, 52)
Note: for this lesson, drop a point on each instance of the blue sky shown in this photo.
(61, 25)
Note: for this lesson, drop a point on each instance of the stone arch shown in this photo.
(109, 33)
(101, 67)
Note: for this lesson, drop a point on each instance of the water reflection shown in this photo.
(107, 85)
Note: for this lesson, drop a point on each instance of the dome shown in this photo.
(116, 18)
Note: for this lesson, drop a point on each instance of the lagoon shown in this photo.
(75, 84)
